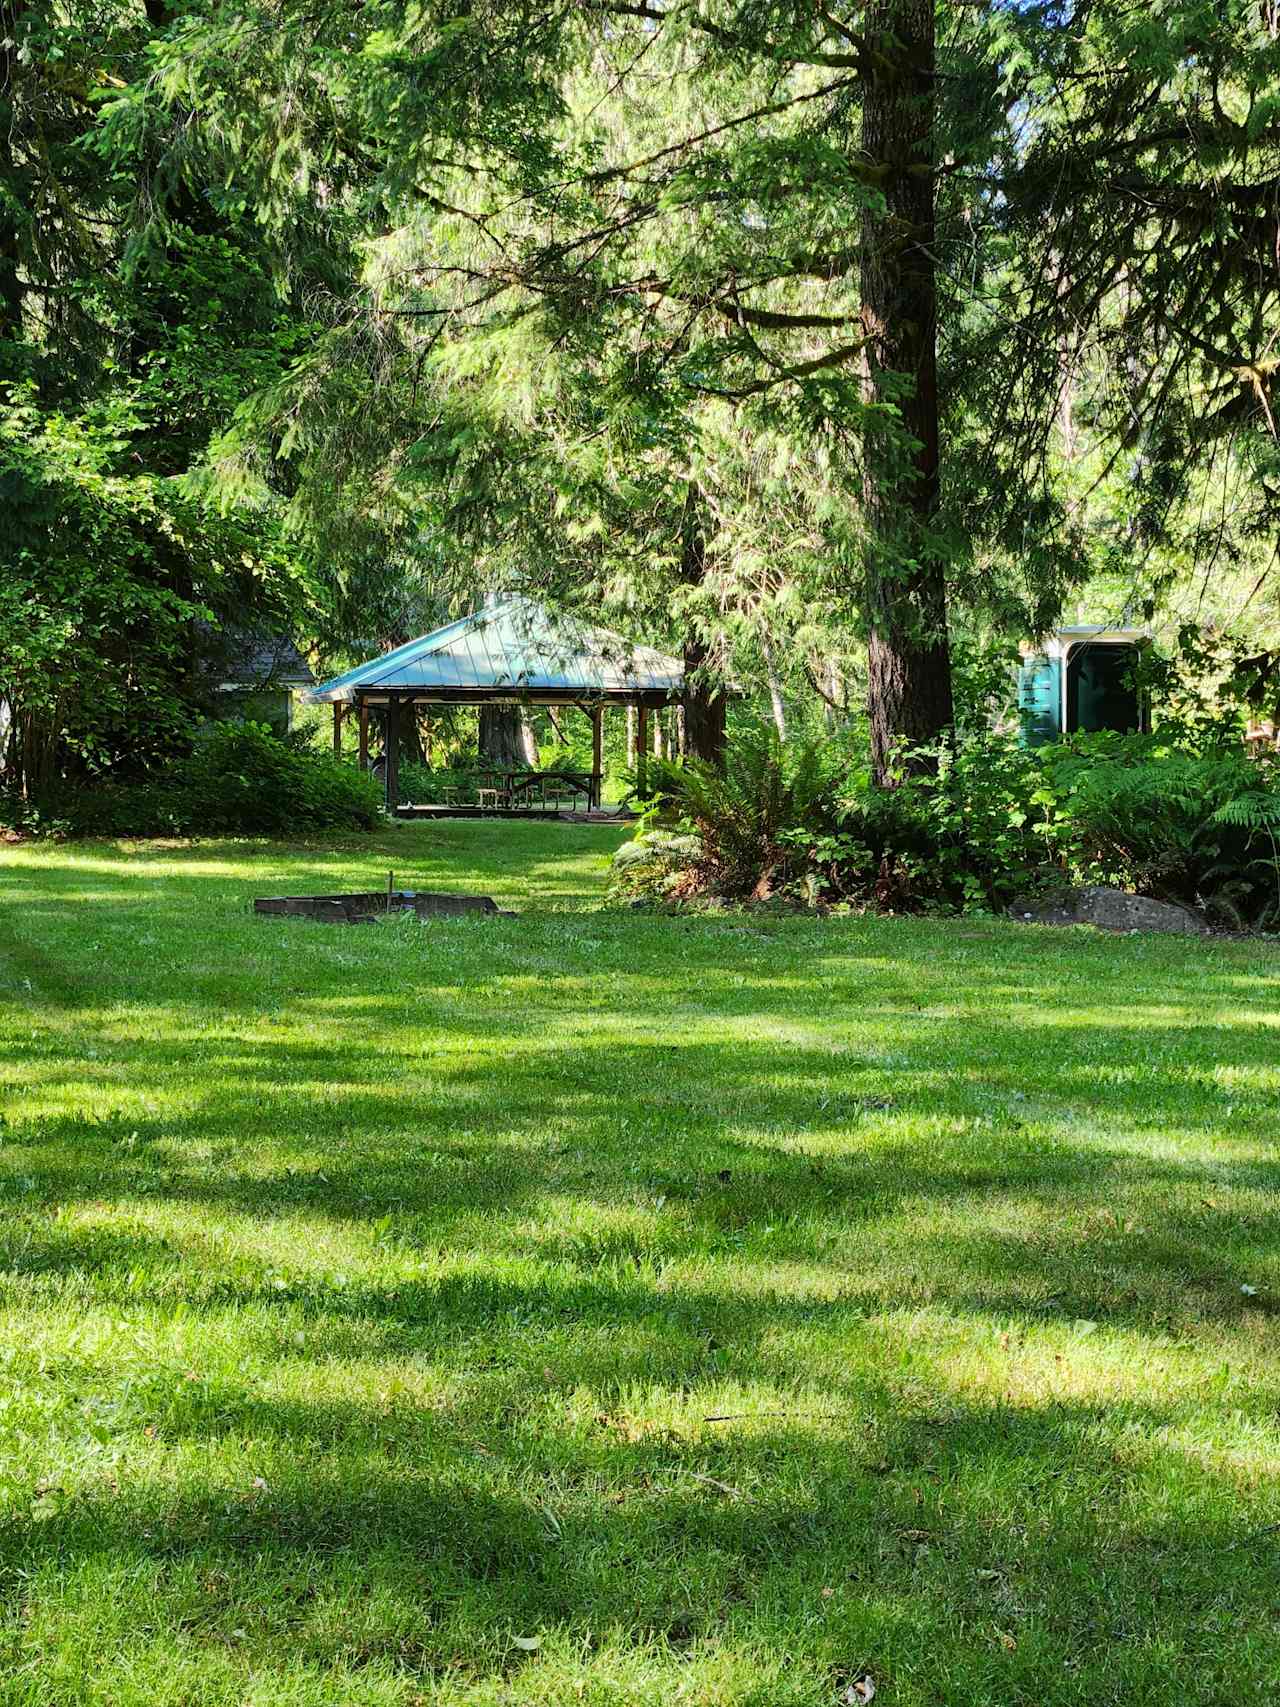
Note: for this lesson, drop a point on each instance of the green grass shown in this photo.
(603, 1308)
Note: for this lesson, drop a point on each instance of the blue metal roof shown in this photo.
(514, 647)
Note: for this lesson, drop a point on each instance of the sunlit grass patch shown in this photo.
(608, 1308)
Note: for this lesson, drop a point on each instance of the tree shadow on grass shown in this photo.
(791, 1158)
(498, 1245)
(355, 1535)
(506, 1224)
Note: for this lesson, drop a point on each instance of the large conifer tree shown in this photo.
(600, 238)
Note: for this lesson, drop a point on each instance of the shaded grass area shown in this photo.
(608, 1308)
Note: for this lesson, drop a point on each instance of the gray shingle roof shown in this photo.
(255, 657)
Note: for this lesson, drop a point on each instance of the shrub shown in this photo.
(22, 817)
(160, 808)
(1189, 826)
(967, 834)
(986, 821)
(1126, 810)
(240, 779)
(655, 867)
(1253, 875)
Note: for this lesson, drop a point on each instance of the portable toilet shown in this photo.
(1081, 679)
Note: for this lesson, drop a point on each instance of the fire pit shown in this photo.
(367, 908)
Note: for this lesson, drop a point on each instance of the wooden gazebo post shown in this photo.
(597, 755)
(393, 753)
(642, 744)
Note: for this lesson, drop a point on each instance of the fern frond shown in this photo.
(1255, 811)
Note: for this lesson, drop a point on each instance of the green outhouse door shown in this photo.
(1040, 700)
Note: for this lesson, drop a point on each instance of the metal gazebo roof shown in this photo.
(513, 650)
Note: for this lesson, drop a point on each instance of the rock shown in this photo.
(1108, 910)
(1115, 910)
(631, 853)
(1058, 908)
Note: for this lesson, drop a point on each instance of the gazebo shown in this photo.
(514, 652)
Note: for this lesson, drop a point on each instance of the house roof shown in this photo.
(511, 650)
(259, 658)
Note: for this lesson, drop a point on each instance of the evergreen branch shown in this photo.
(770, 321)
(858, 60)
(802, 370)
(606, 174)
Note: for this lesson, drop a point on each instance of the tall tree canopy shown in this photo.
(781, 323)
(124, 346)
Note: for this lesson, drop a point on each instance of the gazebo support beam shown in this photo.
(393, 754)
(597, 755)
(642, 745)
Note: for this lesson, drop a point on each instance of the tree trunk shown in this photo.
(11, 287)
(776, 701)
(528, 740)
(412, 751)
(500, 738)
(704, 704)
(826, 677)
(908, 657)
(31, 749)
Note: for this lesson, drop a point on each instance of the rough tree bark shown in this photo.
(500, 737)
(18, 733)
(11, 287)
(908, 656)
(704, 704)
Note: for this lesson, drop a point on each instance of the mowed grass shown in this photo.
(594, 1307)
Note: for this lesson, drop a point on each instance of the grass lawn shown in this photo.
(593, 1307)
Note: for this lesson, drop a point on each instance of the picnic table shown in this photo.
(513, 790)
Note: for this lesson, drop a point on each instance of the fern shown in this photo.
(740, 811)
(989, 822)
(1257, 811)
